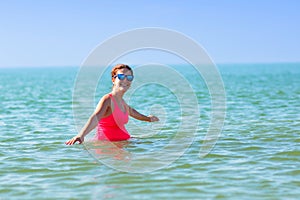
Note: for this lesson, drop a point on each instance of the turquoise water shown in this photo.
(256, 157)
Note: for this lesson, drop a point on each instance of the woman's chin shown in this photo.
(123, 89)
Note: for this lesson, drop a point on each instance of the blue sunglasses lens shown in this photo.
(122, 77)
(129, 78)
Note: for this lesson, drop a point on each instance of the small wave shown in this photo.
(2, 124)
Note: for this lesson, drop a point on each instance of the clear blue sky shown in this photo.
(63, 32)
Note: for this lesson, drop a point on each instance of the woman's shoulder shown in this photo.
(106, 98)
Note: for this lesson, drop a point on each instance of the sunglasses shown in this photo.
(123, 76)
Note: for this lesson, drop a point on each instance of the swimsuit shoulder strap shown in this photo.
(112, 98)
(116, 104)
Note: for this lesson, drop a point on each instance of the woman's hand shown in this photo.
(153, 118)
(75, 139)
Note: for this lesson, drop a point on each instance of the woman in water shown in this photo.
(111, 113)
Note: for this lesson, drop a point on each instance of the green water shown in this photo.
(256, 157)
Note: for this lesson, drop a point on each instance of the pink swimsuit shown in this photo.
(112, 127)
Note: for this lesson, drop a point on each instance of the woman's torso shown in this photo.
(112, 127)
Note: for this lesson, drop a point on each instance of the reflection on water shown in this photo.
(108, 150)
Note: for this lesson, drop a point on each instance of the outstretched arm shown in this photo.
(135, 114)
(92, 122)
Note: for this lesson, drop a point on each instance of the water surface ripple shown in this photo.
(256, 157)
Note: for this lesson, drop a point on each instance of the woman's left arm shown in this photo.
(135, 114)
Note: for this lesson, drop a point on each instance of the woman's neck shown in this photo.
(117, 94)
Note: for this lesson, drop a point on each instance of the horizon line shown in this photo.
(136, 64)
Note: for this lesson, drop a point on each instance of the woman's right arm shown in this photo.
(93, 120)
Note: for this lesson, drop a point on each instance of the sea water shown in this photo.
(256, 156)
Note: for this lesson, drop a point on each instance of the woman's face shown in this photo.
(124, 84)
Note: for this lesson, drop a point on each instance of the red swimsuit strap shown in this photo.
(116, 104)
